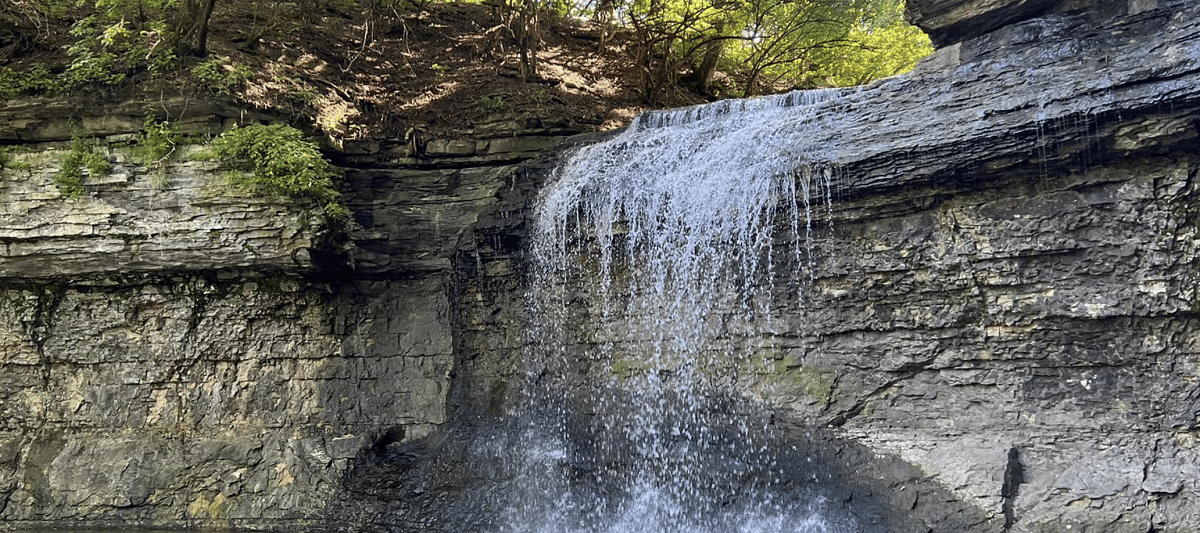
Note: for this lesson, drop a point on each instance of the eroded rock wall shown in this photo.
(1043, 324)
(1002, 298)
(1029, 344)
(192, 399)
(177, 353)
(1001, 293)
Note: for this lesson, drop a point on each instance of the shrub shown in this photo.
(33, 80)
(110, 45)
(276, 160)
(220, 76)
(7, 161)
(493, 104)
(157, 142)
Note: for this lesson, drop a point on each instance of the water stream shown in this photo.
(656, 258)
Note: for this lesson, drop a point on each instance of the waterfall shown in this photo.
(654, 274)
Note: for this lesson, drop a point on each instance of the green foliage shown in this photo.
(817, 44)
(769, 44)
(221, 76)
(877, 48)
(8, 162)
(277, 160)
(335, 118)
(158, 141)
(33, 80)
(81, 157)
(540, 97)
(119, 38)
(493, 103)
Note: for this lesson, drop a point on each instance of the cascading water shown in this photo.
(655, 256)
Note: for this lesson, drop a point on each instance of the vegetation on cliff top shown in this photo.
(276, 160)
(359, 68)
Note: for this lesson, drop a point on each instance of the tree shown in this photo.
(878, 48)
(768, 42)
(120, 37)
(191, 27)
(671, 34)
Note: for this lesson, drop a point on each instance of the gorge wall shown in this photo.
(997, 328)
(999, 289)
(176, 353)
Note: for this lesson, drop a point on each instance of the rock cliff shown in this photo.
(1001, 293)
(999, 331)
(176, 353)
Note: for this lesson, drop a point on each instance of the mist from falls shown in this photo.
(655, 258)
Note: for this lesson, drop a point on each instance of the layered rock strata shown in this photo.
(174, 352)
(1000, 317)
(1001, 293)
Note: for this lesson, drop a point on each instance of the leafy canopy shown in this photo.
(768, 45)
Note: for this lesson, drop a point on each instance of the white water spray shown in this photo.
(654, 262)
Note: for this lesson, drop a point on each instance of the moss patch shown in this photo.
(81, 157)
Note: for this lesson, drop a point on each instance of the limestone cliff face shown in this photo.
(176, 353)
(998, 331)
(1002, 293)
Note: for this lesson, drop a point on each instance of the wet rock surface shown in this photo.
(996, 329)
(1002, 299)
(952, 21)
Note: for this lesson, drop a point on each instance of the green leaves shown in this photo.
(33, 79)
(767, 45)
(220, 75)
(276, 160)
(878, 47)
(113, 43)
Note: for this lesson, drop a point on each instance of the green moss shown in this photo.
(202, 155)
(80, 158)
(816, 384)
(622, 367)
(8, 160)
(204, 508)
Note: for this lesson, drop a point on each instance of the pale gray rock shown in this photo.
(174, 352)
(1007, 263)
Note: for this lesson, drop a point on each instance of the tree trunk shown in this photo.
(702, 76)
(191, 28)
(527, 39)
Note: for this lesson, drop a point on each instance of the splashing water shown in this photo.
(654, 260)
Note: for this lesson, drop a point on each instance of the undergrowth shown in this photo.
(277, 160)
(35, 79)
(221, 76)
(158, 142)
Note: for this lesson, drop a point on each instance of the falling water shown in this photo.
(655, 254)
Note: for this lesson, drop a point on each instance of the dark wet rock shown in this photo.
(1010, 265)
(1012, 273)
